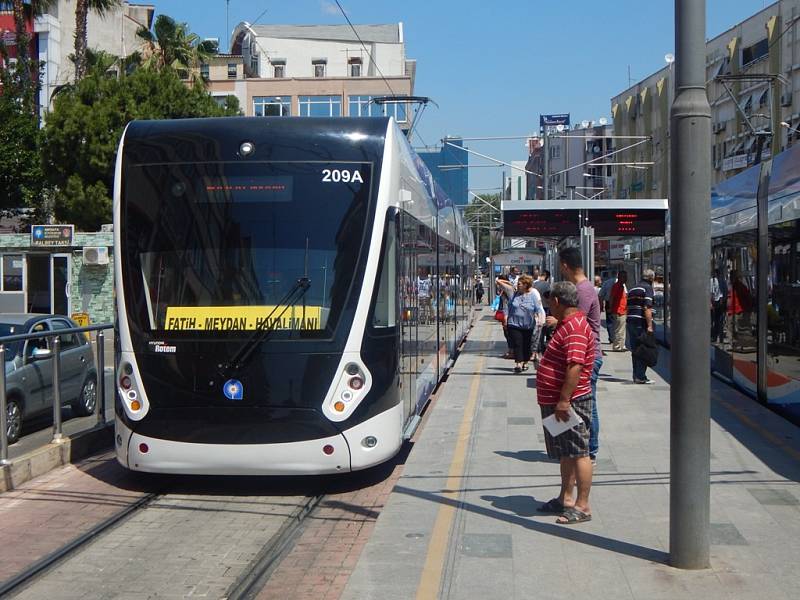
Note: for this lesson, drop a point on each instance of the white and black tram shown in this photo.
(289, 292)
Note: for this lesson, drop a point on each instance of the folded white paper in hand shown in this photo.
(556, 427)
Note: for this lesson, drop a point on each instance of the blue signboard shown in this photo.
(553, 120)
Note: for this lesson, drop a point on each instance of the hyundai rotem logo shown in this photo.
(233, 389)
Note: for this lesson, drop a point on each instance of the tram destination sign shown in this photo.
(52, 235)
(609, 222)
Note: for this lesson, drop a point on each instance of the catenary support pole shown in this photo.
(100, 390)
(546, 164)
(762, 285)
(58, 435)
(3, 409)
(690, 174)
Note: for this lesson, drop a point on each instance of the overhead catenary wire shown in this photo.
(501, 162)
(249, 26)
(363, 45)
(594, 160)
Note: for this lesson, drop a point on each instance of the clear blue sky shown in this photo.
(493, 67)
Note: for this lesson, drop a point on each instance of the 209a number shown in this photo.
(341, 176)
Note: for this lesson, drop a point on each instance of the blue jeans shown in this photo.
(594, 434)
(635, 329)
(610, 327)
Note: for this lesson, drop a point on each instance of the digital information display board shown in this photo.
(614, 221)
(541, 223)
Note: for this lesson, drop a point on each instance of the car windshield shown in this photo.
(215, 247)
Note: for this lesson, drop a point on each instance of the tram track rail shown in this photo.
(258, 572)
(66, 551)
(246, 586)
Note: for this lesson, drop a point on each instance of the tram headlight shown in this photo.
(247, 148)
(353, 384)
(351, 369)
(129, 389)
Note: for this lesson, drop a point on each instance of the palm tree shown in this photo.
(82, 8)
(24, 68)
(172, 46)
(18, 9)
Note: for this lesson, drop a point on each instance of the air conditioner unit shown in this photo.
(786, 99)
(95, 255)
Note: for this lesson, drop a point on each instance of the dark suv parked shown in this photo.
(29, 369)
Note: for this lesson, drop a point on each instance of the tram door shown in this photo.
(409, 313)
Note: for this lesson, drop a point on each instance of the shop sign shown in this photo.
(553, 120)
(734, 162)
(52, 235)
(8, 37)
(81, 319)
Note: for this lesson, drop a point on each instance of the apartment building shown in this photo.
(315, 70)
(753, 79)
(576, 164)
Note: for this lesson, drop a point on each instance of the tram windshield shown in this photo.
(216, 247)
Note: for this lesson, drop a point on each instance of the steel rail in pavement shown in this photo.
(258, 572)
(64, 552)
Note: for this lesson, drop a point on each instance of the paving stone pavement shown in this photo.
(44, 514)
(180, 546)
(498, 546)
(334, 535)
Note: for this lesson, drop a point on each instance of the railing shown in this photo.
(100, 401)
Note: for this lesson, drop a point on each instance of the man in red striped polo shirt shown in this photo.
(563, 383)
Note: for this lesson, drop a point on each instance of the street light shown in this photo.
(789, 127)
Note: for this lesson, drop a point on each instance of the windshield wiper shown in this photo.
(262, 333)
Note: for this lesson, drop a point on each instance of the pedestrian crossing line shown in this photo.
(430, 581)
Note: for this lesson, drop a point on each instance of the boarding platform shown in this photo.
(461, 522)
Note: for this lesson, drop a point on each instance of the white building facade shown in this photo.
(115, 33)
(319, 70)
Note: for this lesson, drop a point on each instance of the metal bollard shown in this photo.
(100, 398)
(3, 409)
(57, 435)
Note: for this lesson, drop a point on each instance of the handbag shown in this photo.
(499, 315)
(647, 350)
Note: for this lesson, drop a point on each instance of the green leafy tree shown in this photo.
(21, 178)
(82, 133)
(479, 216)
(172, 46)
(82, 8)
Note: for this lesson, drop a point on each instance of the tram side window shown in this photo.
(783, 312)
(385, 311)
